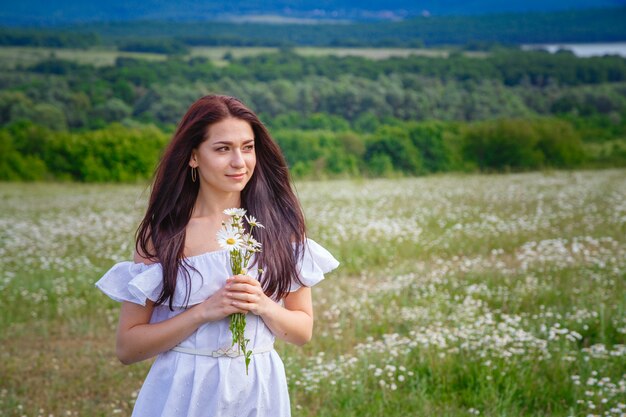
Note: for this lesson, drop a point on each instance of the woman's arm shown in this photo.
(292, 323)
(138, 339)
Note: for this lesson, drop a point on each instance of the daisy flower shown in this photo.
(229, 238)
(235, 212)
(252, 244)
(252, 221)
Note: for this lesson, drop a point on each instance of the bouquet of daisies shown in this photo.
(241, 246)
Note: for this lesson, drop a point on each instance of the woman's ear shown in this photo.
(193, 160)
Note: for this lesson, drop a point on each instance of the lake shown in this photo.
(584, 49)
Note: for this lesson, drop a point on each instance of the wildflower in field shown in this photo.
(448, 311)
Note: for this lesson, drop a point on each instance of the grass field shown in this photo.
(494, 295)
(11, 56)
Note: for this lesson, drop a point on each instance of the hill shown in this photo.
(39, 12)
(592, 25)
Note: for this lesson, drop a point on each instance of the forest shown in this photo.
(479, 31)
(333, 116)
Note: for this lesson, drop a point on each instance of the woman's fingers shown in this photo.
(234, 308)
(245, 292)
(244, 296)
(243, 283)
(218, 306)
(246, 288)
(242, 279)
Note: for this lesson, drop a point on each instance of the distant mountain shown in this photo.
(40, 12)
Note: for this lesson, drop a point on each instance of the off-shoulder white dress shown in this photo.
(183, 384)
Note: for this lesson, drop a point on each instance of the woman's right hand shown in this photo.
(138, 339)
(217, 306)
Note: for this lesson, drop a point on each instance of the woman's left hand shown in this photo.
(247, 294)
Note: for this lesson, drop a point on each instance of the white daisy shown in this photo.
(236, 223)
(229, 238)
(235, 212)
(253, 222)
(252, 244)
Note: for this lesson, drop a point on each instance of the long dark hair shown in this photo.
(268, 196)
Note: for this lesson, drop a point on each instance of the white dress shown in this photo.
(186, 384)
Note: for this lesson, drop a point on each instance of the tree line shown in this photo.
(62, 94)
(330, 149)
(51, 38)
(508, 66)
(332, 116)
(595, 25)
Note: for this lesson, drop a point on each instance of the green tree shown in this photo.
(396, 143)
(503, 144)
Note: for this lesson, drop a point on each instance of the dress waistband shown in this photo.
(231, 352)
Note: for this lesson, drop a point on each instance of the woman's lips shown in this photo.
(237, 176)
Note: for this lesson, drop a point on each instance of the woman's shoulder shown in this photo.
(140, 258)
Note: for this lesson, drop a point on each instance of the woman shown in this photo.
(178, 294)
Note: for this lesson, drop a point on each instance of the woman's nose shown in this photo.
(237, 159)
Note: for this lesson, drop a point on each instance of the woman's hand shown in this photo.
(292, 322)
(246, 294)
(218, 306)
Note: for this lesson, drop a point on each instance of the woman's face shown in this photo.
(226, 159)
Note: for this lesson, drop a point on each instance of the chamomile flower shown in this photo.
(235, 212)
(229, 238)
(252, 244)
(252, 221)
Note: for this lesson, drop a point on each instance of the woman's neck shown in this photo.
(210, 204)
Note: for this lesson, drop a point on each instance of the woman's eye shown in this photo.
(248, 147)
(222, 149)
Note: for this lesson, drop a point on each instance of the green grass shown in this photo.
(11, 56)
(501, 295)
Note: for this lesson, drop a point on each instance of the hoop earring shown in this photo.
(194, 174)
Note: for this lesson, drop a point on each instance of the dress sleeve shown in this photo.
(126, 281)
(315, 262)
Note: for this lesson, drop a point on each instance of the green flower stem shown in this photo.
(239, 260)
(238, 320)
(237, 328)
